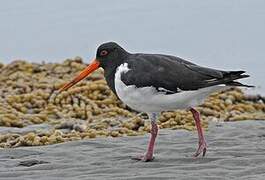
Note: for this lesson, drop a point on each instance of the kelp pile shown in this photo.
(89, 109)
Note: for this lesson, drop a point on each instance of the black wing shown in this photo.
(172, 74)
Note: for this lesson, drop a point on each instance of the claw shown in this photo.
(201, 149)
(144, 158)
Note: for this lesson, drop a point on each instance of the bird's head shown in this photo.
(109, 55)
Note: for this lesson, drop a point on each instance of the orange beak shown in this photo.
(89, 69)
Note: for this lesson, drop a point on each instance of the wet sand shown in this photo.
(236, 151)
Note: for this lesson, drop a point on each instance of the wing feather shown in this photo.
(173, 74)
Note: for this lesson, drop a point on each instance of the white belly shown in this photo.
(148, 99)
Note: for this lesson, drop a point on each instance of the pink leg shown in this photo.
(202, 143)
(148, 156)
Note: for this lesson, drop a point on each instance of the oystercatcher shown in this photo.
(152, 83)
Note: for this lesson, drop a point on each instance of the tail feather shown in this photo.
(231, 76)
(235, 83)
(234, 74)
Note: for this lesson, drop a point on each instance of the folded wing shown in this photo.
(172, 74)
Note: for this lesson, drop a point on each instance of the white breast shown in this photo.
(148, 99)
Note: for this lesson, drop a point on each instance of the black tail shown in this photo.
(231, 76)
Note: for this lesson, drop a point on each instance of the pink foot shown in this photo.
(144, 157)
(201, 149)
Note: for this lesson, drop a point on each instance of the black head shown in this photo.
(110, 54)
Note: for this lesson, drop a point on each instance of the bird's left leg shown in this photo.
(148, 156)
(202, 143)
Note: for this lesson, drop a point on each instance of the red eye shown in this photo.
(103, 53)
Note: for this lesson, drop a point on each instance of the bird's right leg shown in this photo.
(148, 156)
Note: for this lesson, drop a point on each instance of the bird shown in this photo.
(153, 83)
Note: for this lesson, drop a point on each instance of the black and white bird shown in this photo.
(152, 83)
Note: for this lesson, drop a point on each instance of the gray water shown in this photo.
(219, 34)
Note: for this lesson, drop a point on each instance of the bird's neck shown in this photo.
(110, 76)
(110, 70)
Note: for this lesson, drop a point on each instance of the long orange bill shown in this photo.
(89, 69)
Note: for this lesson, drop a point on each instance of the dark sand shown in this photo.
(236, 151)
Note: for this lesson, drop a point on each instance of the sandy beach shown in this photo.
(236, 151)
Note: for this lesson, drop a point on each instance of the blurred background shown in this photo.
(220, 34)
